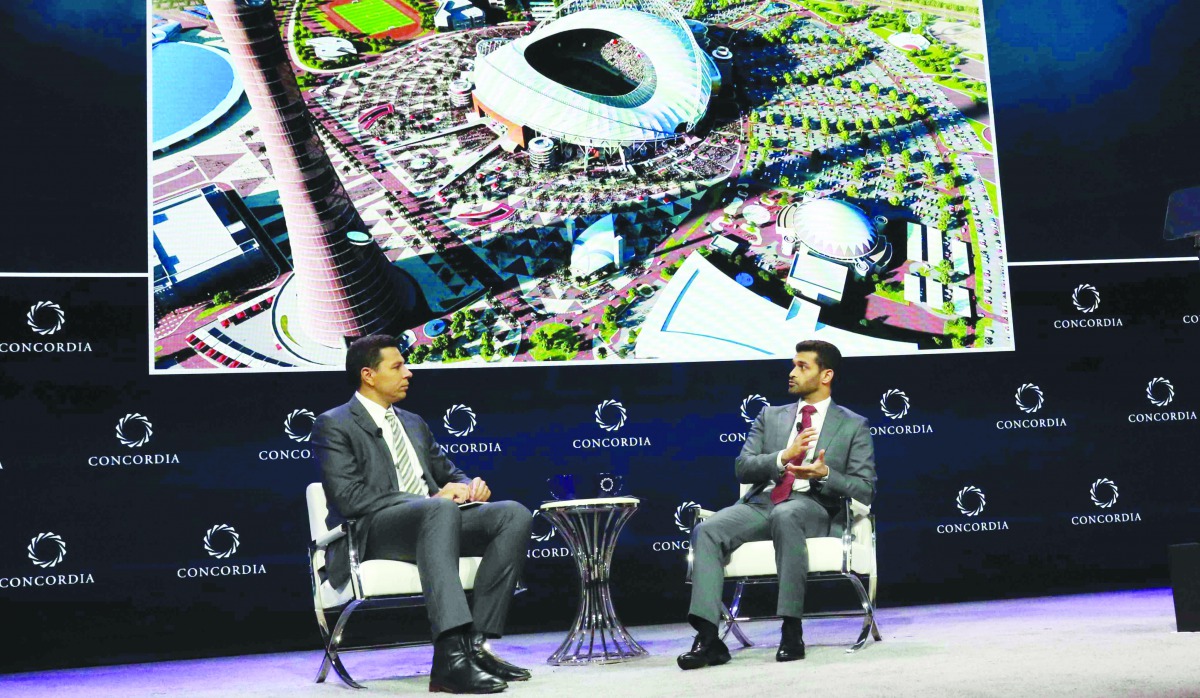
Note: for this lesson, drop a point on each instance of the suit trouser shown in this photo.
(434, 533)
(788, 524)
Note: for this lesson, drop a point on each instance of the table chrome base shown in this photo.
(597, 636)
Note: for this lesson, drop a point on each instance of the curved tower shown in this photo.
(343, 290)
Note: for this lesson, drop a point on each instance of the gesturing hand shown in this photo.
(806, 440)
(809, 471)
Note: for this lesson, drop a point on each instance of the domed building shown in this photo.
(830, 238)
(837, 231)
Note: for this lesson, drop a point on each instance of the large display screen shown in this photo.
(587, 181)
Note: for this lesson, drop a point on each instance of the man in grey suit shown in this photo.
(801, 460)
(382, 468)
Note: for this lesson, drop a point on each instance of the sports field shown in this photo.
(372, 16)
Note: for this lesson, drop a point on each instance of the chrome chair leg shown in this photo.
(730, 613)
(324, 627)
(869, 625)
(332, 658)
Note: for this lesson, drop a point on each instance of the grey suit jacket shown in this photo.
(849, 453)
(359, 476)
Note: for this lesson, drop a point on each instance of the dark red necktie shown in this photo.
(784, 488)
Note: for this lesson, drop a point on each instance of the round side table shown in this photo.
(590, 528)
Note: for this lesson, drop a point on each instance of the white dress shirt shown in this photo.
(818, 420)
(377, 413)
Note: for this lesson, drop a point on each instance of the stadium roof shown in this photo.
(671, 98)
(192, 86)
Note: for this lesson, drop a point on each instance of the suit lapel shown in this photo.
(834, 421)
(383, 453)
(787, 420)
(416, 438)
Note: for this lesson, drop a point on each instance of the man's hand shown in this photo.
(456, 492)
(816, 469)
(800, 446)
(478, 491)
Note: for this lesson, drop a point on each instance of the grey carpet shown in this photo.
(1121, 644)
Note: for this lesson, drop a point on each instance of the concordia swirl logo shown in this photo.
(1029, 398)
(612, 408)
(894, 404)
(43, 541)
(214, 548)
(681, 514)
(456, 426)
(1085, 298)
(1160, 392)
(298, 425)
(1097, 489)
(541, 537)
(749, 414)
(134, 430)
(970, 500)
(45, 318)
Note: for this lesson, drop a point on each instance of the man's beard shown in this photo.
(802, 390)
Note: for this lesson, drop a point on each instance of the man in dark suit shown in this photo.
(382, 468)
(800, 460)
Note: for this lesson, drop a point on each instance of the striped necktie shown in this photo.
(407, 473)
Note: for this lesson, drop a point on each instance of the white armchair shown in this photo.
(373, 584)
(848, 553)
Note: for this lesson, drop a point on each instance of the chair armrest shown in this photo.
(858, 509)
(702, 514)
(339, 532)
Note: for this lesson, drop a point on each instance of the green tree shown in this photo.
(458, 323)
(944, 269)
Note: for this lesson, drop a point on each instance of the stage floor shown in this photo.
(1115, 644)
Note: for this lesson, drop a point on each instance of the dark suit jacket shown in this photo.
(360, 478)
(849, 453)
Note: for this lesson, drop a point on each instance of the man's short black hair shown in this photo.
(366, 352)
(828, 356)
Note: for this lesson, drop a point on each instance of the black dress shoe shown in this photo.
(456, 671)
(706, 651)
(493, 664)
(791, 642)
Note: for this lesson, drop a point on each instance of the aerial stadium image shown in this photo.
(584, 180)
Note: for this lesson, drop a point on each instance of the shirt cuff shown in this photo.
(779, 462)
